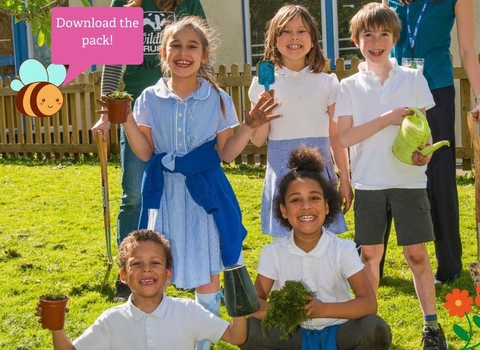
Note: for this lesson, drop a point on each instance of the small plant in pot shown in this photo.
(54, 306)
(118, 105)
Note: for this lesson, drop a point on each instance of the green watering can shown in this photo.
(414, 133)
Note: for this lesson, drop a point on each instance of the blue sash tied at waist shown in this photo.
(320, 339)
(209, 187)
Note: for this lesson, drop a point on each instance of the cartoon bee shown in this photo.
(38, 94)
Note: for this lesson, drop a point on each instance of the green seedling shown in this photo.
(120, 95)
(286, 308)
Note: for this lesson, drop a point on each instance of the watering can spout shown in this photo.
(430, 149)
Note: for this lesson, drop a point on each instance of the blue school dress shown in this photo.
(178, 128)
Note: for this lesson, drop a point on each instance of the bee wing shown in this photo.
(16, 85)
(32, 71)
(56, 74)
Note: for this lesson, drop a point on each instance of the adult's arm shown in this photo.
(111, 75)
(464, 14)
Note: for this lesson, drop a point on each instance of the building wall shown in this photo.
(226, 17)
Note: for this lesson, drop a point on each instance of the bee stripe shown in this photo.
(33, 99)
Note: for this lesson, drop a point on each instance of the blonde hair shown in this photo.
(375, 16)
(164, 5)
(208, 41)
(315, 59)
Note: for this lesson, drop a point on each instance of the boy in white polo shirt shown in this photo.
(150, 319)
(370, 107)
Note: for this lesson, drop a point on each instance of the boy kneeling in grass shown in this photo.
(150, 319)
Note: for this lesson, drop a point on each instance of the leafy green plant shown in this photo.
(120, 95)
(53, 296)
(286, 308)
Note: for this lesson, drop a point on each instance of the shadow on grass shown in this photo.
(401, 285)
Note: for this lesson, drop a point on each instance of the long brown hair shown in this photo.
(164, 5)
(315, 58)
(208, 40)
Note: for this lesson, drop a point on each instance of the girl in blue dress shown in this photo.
(306, 98)
(183, 127)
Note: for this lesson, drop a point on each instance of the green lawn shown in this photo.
(52, 234)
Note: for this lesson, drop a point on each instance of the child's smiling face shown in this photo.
(146, 273)
(305, 207)
(375, 44)
(184, 53)
(294, 43)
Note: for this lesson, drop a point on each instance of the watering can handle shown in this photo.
(418, 113)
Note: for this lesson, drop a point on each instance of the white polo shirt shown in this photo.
(374, 167)
(303, 99)
(175, 324)
(324, 270)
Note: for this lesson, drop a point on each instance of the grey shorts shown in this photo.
(410, 209)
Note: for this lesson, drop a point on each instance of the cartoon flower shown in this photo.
(459, 303)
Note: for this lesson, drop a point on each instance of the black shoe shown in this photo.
(434, 339)
(449, 281)
(122, 292)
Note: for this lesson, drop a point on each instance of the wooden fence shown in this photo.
(67, 133)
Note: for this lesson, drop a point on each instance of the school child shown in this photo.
(306, 98)
(306, 204)
(418, 18)
(150, 319)
(370, 107)
(183, 127)
(136, 78)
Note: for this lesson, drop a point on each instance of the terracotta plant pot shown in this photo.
(240, 296)
(53, 313)
(117, 109)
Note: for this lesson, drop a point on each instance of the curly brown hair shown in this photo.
(134, 238)
(307, 163)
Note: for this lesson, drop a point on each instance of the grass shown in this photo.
(52, 237)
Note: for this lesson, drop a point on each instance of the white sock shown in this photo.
(211, 302)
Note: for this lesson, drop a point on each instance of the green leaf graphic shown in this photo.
(460, 332)
(476, 320)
